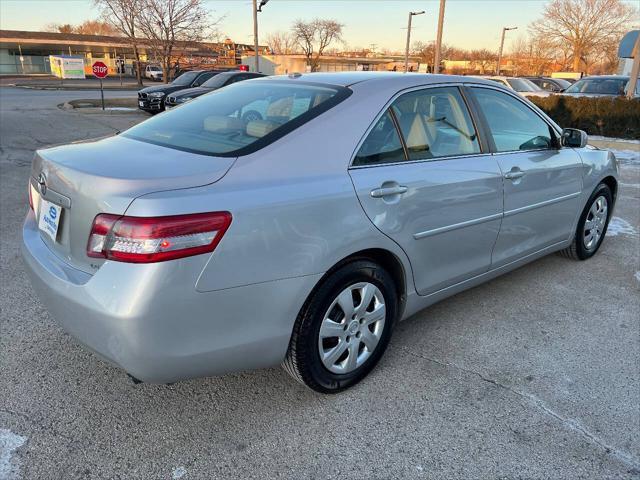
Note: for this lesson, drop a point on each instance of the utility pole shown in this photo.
(436, 62)
(504, 30)
(635, 70)
(255, 33)
(406, 52)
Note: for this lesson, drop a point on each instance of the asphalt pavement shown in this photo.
(532, 375)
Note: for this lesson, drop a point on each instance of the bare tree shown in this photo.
(168, 23)
(314, 37)
(122, 15)
(281, 43)
(96, 27)
(59, 28)
(483, 59)
(585, 25)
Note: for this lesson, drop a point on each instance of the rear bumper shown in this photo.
(150, 320)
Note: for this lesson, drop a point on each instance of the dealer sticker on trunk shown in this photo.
(49, 218)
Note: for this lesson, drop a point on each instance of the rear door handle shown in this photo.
(387, 191)
(514, 174)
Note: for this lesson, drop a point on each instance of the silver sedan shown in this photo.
(295, 220)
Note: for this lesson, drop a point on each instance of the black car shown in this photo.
(549, 84)
(151, 99)
(219, 81)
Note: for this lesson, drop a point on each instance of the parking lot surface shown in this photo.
(532, 375)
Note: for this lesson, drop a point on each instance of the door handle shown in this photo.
(387, 191)
(514, 174)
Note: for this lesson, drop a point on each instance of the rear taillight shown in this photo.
(155, 239)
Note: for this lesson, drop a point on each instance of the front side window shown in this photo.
(219, 123)
(513, 125)
(382, 145)
(435, 123)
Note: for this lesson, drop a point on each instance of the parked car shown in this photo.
(151, 99)
(214, 83)
(601, 86)
(200, 243)
(553, 85)
(153, 72)
(523, 86)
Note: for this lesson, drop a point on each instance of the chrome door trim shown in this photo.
(455, 226)
(533, 206)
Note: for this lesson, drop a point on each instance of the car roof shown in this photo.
(402, 80)
(606, 77)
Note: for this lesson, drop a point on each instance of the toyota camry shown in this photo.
(204, 241)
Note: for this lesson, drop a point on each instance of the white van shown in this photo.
(153, 72)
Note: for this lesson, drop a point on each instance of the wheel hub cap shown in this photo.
(595, 223)
(351, 328)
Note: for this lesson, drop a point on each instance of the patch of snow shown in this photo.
(619, 226)
(179, 473)
(627, 157)
(637, 275)
(9, 441)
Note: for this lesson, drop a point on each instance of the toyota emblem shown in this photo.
(42, 183)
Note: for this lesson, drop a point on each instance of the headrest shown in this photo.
(260, 128)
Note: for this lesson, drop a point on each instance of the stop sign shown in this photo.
(100, 70)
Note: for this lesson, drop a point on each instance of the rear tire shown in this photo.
(592, 226)
(344, 328)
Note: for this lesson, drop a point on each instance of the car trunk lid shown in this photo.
(105, 176)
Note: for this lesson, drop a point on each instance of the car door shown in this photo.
(425, 180)
(542, 181)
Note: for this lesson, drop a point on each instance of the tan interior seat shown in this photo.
(221, 124)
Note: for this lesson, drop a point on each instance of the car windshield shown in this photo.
(155, 69)
(185, 79)
(218, 80)
(229, 121)
(523, 85)
(602, 86)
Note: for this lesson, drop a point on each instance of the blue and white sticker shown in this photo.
(49, 218)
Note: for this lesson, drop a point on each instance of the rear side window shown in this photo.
(240, 118)
(382, 145)
(435, 123)
(513, 125)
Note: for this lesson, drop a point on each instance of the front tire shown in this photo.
(592, 226)
(344, 328)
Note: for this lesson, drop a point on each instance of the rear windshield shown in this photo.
(238, 119)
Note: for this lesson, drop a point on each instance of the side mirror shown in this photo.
(574, 138)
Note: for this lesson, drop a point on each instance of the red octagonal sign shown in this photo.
(100, 70)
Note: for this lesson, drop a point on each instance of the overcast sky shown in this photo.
(468, 23)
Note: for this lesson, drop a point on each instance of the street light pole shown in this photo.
(256, 9)
(436, 66)
(504, 30)
(406, 52)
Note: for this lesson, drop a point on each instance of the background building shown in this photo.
(27, 53)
